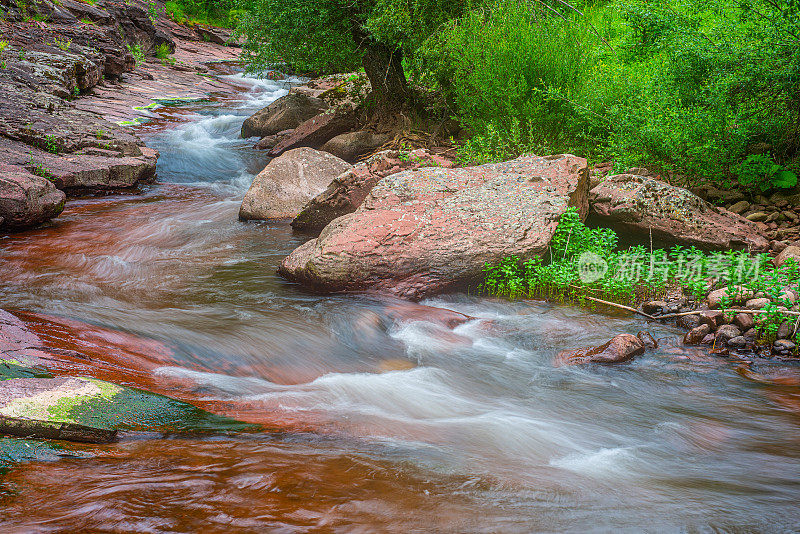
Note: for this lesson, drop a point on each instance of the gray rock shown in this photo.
(286, 113)
(739, 207)
(738, 342)
(354, 145)
(288, 182)
(783, 346)
(639, 204)
(726, 332)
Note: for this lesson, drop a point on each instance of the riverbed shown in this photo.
(378, 415)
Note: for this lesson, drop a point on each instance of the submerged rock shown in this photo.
(286, 113)
(347, 191)
(26, 199)
(288, 182)
(640, 204)
(426, 231)
(621, 348)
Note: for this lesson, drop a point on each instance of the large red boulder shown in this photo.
(641, 204)
(430, 230)
(348, 190)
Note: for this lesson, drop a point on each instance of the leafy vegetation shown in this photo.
(137, 52)
(637, 275)
(335, 36)
(223, 13)
(688, 87)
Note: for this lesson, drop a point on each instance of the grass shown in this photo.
(638, 275)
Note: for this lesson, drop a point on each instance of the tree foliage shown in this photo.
(326, 36)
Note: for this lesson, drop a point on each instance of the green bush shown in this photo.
(680, 86)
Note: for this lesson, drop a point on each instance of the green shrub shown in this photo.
(682, 87)
(163, 51)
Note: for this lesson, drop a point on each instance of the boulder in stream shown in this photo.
(620, 348)
(430, 230)
(288, 182)
(641, 204)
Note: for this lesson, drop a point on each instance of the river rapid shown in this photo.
(379, 416)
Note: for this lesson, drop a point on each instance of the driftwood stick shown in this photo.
(622, 307)
(697, 312)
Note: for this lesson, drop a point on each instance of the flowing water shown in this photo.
(379, 415)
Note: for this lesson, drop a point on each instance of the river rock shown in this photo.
(353, 145)
(792, 252)
(621, 348)
(318, 130)
(654, 307)
(347, 191)
(744, 321)
(738, 342)
(286, 113)
(696, 334)
(430, 230)
(727, 332)
(712, 318)
(757, 303)
(288, 182)
(639, 204)
(783, 346)
(26, 199)
(688, 321)
(738, 296)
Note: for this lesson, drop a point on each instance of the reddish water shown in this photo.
(379, 415)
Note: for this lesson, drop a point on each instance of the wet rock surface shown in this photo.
(621, 348)
(641, 204)
(65, 86)
(426, 231)
(288, 182)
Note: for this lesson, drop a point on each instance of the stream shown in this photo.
(378, 415)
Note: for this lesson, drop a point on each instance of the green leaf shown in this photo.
(784, 179)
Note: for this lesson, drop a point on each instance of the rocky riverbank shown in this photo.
(72, 77)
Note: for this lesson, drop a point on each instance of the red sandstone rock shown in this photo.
(633, 203)
(26, 199)
(427, 231)
(316, 131)
(620, 348)
(347, 191)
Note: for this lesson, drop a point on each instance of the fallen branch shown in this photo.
(622, 307)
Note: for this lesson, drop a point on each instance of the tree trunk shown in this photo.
(384, 69)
